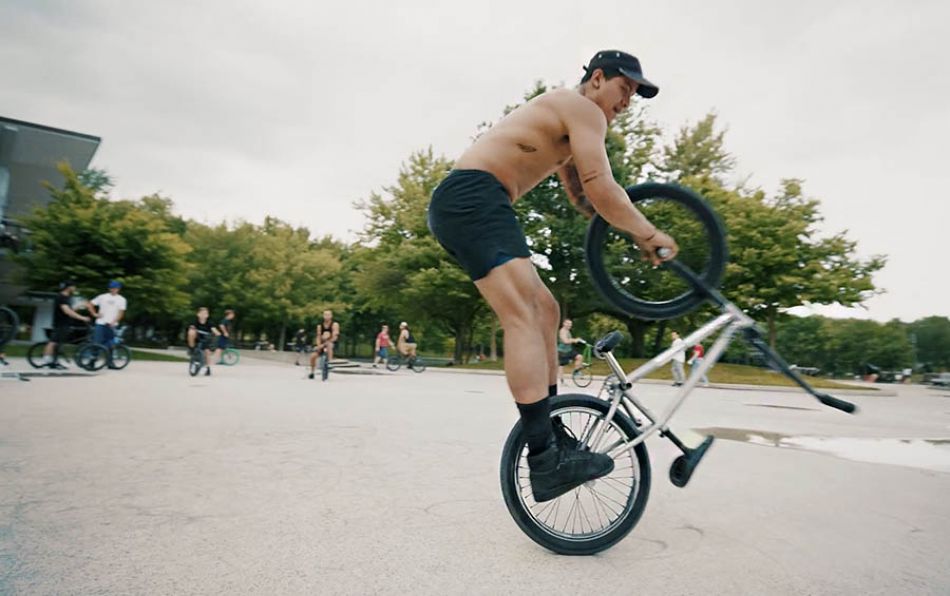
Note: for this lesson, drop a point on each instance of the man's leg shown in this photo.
(191, 338)
(578, 361)
(677, 372)
(313, 361)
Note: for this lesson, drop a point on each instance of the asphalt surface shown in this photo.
(258, 481)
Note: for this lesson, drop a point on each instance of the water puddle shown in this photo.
(927, 454)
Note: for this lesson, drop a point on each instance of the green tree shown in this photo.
(91, 240)
(402, 269)
(931, 337)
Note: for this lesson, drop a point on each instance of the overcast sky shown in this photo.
(238, 109)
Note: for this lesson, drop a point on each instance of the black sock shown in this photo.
(552, 390)
(536, 419)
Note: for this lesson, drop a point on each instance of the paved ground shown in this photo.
(254, 480)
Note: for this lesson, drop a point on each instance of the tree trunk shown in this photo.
(658, 341)
(637, 331)
(459, 344)
(494, 341)
(283, 335)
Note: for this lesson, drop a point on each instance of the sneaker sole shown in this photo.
(557, 491)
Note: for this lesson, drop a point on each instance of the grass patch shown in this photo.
(19, 351)
(739, 374)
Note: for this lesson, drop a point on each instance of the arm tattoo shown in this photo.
(575, 191)
(527, 148)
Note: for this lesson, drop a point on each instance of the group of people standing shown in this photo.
(695, 360)
(328, 333)
(107, 309)
(207, 336)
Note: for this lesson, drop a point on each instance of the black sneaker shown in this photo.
(554, 471)
(310, 376)
(565, 437)
(208, 372)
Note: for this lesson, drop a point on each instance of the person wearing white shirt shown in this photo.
(108, 308)
(678, 360)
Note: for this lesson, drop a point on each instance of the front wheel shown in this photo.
(596, 515)
(91, 357)
(393, 363)
(196, 362)
(582, 376)
(324, 366)
(35, 355)
(120, 357)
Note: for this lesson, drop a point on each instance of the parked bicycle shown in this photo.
(397, 360)
(77, 348)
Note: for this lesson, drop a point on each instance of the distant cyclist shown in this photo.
(328, 331)
(225, 328)
(566, 350)
(202, 324)
(406, 343)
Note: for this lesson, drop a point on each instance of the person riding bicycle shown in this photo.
(225, 328)
(63, 313)
(406, 343)
(566, 350)
(471, 216)
(328, 331)
(203, 328)
(108, 308)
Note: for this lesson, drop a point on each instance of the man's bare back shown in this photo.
(530, 143)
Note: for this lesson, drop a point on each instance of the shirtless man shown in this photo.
(471, 216)
(328, 331)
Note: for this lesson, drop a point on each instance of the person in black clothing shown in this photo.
(63, 315)
(201, 327)
(300, 344)
(328, 331)
(225, 327)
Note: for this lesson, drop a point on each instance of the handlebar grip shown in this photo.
(838, 404)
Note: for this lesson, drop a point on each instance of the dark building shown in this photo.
(29, 154)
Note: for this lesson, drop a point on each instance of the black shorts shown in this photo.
(471, 216)
(566, 357)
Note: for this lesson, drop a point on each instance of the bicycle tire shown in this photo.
(515, 452)
(709, 258)
(324, 366)
(91, 357)
(35, 354)
(9, 322)
(417, 365)
(393, 363)
(582, 376)
(196, 362)
(119, 357)
(230, 357)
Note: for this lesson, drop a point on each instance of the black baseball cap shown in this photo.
(628, 66)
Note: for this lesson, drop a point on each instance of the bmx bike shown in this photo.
(396, 360)
(583, 375)
(201, 354)
(75, 346)
(598, 514)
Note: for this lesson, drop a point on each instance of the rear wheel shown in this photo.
(393, 363)
(417, 364)
(596, 515)
(8, 325)
(119, 357)
(230, 357)
(582, 376)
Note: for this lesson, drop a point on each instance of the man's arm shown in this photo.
(575, 190)
(73, 314)
(91, 307)
(587, 128)
(118, 318)
(334, 331)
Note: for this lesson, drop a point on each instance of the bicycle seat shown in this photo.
(608, 342)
